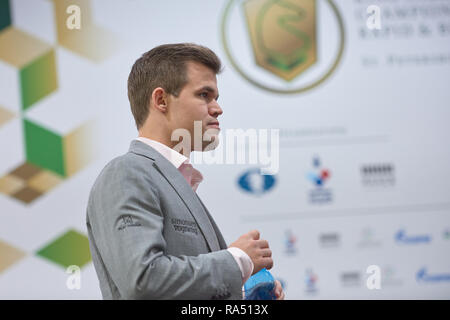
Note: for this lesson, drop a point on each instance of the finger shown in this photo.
(254, 234)
(279, 294)
(262, 243)
(266, 253)
(268, 263)
(278, 288)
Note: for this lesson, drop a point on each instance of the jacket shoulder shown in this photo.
(128, 162)
(126, 170)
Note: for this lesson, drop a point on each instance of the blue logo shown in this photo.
(289, 242)
(423, 276)
(319, 177)
(401, 237)
(254, 182)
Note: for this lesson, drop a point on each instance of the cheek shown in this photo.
(191, 111)
(200, 113)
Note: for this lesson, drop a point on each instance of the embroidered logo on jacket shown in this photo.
(127, 221)
(183, 226)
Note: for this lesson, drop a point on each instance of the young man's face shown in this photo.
(197, 101)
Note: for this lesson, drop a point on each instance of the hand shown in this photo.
(279, 293)
(258, 250)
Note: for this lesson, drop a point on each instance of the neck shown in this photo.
(164, 139)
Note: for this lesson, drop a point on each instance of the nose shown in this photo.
(215, 110)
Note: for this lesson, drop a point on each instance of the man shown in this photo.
(150, 235)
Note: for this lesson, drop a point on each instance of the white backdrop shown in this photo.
(378, 124)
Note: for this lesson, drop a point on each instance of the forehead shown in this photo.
(199, 75)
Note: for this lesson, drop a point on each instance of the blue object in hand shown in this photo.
(260, 286)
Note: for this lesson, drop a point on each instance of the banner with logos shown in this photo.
(333, 136)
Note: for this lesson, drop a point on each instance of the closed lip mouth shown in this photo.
(213, 123)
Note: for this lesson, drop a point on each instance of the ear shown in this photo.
(159, 99)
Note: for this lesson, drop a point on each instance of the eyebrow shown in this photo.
(209, 89)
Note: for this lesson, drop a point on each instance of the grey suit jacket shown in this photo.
(151, 237)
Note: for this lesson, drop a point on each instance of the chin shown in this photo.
(211, 145)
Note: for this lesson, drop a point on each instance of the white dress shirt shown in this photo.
(194, 177)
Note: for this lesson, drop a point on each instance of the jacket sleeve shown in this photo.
(127, 226)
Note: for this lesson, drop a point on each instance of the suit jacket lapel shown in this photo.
(222, 243)
(182, 188)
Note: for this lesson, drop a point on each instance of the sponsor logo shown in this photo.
(128, 221)
(311, 281)
(378, 175)
(402, 238)
(184, 226)
(368, 239)
(319, 177)
(350, 279)
(390, 277)
(290, 243)
(329, 240)
(283, 46)
(424, 276)
(255, 182)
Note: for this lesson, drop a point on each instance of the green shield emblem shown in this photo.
(283, 35)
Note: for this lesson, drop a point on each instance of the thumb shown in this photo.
(254, 234)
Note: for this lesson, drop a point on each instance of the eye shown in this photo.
(204, 94)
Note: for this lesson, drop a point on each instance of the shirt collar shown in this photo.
(174, 157)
